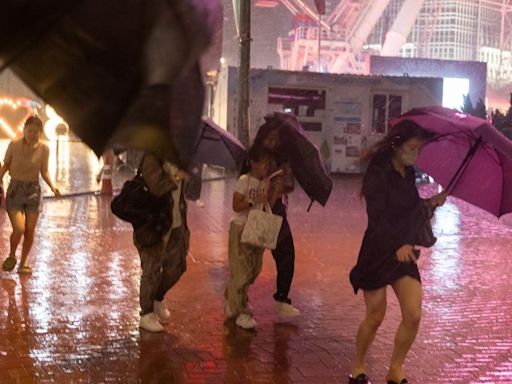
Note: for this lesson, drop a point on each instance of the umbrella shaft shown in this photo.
(463, 165)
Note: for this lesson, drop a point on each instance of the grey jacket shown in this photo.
(159, 183)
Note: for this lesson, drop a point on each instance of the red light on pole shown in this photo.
(267, 3)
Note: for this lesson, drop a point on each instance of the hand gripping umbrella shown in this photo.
(470, 158)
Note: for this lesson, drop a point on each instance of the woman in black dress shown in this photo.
(387, 255)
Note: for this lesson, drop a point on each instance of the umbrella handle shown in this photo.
(310, 204)
(455, 179)
(196, 146)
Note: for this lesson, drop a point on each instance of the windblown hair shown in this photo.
(399, 134)
(265, 130)
(278, 154)
(258, 154)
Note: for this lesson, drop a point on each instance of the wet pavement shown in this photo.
(75, 320)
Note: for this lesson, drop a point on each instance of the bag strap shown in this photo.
(139, 169)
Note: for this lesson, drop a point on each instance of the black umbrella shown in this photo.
(217, 146)
(120, 72)
(305, 159)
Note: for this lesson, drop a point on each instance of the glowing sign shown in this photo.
(11, 122)
(54, 121)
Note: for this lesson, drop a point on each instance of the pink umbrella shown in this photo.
(470, 158)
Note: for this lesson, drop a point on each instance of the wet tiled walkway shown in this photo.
(76, 319)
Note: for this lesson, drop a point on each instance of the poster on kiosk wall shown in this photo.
(346, 136)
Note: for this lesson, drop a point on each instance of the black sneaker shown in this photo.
(359, 379)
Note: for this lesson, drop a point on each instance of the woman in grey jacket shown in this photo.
(163, 262)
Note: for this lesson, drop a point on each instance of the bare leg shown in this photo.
(375, 310)
(28, 238)
(409, 293)
(17, 219)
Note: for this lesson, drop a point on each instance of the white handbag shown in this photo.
(262, 227)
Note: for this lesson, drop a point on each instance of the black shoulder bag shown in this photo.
(138, 206)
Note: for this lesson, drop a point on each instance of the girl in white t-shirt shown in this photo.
(245, 260)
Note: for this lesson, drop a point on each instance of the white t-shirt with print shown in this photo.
(250, 187)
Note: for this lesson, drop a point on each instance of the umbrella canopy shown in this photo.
(119, 72)
(305, 159)
(486, 177)
(217, 146)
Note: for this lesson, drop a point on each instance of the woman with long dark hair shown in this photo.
(268, 138)
(388, 255)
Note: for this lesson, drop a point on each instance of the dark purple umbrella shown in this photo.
(217, 146)
(305, 159)
(470, 158)
(119, 72)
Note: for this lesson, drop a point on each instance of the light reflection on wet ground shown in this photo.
(76, 319)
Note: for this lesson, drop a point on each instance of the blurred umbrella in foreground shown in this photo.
(121, 72)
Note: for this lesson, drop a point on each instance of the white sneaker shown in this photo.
(287, 309)
(245, 321)
(150, 323)
(161, 311)
(200, 203)
(227, 310)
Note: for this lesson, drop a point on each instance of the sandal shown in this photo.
(359, 379)
(9, 264)
(25, 270)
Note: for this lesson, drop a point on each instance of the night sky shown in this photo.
(267, 25)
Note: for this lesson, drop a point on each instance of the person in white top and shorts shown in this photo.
(25, 159)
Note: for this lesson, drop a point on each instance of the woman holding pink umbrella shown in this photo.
(388, 255)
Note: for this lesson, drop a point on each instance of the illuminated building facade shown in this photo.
(477, 30)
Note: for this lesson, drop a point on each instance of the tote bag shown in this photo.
(262, 228)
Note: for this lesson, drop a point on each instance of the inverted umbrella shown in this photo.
(305, 159)
(120, 72)
(470, 158)
(217, 146)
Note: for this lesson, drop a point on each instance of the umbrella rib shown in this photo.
(211, 138)
(199, 141)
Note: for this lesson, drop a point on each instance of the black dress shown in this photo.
(391, 200)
